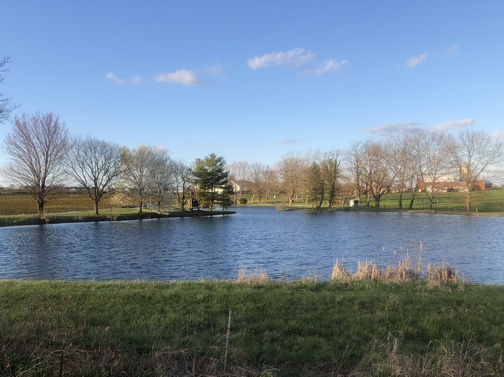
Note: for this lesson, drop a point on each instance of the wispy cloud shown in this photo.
(416, 60)
(291, 141)
(183, 77)
(453, 124)
(214, 70)
(328, 66)
(498, 135)
(295, 57)
(395, 128)
(452, 50)
(112, 77)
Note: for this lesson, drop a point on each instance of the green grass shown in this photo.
(489, 202)
(305, 329)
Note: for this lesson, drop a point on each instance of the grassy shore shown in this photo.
(337, 328)
(19, 209)
(89, 216)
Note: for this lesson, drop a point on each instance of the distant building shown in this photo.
(447, 182)
(241, 186)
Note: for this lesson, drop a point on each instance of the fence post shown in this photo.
(227, 340)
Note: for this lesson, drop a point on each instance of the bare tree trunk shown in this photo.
(377, 201)
(468, 200)
(411, 202)
(40, 205)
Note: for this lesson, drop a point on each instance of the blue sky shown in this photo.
(254, 80)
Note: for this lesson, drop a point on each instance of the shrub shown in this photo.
(243, 200)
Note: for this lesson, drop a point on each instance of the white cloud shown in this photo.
(112, 77)
(498, 135)
(293, 57)
(215, 70)
(416, 60)
(135, 80)
(330, 65)
(182, 76)
(452, 50)
(453, 124)
(159, 148)
(394, 128)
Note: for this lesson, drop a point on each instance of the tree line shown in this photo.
(406, 164)
(44, 158)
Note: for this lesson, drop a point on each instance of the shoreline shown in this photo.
(62, 218)
(65, 217)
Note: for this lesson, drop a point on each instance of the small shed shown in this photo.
(353, 203)
(193, 204)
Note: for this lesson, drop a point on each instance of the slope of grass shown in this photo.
(359, 328)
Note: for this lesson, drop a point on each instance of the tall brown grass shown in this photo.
(438, 359)
(252, 276)
(406, 270)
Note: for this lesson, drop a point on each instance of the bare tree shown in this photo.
(354, 163)
(291, 170)
(473, 153)
(181, 178)
(137, 165)
(96, 165)
(239, 172)
(398, 158)
(376, 177)
(160, 174)
(6, 106)
(37, 146)
(414, 144)
(270, 180)
(431, 161)
(258, 182)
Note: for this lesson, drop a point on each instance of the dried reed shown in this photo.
(406, 270)
(252, 276)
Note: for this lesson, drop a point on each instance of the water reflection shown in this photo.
(291, 245)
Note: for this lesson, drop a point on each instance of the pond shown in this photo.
(284, 244)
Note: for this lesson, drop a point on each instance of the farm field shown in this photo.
(22, 204)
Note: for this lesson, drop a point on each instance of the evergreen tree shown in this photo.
(211, 180)
(315, 184)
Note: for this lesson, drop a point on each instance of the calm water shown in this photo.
(288, 245)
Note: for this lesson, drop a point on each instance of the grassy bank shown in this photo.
(488, 202)
(18, 209)
(358, 328)
(89, 216)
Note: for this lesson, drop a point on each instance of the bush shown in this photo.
(243, 200)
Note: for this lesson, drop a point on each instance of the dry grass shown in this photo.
(406, 270)
(252, 276)
(438, 359)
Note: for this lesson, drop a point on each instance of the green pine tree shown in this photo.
(211, 181)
